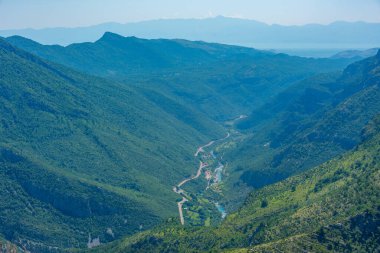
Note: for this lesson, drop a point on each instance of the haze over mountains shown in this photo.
(328, 39)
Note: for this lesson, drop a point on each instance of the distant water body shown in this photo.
(311, 50)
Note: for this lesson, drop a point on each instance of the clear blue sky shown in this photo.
(70, 13)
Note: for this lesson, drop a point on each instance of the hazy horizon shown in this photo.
(39, 14)
(205, 18)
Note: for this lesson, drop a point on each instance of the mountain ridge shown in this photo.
(198, 29)
(171, 64)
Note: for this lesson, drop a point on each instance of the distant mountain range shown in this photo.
(338, 35)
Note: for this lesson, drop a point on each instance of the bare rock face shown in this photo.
(92, 243)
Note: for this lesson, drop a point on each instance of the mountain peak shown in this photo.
(111, 36)
(114, 37)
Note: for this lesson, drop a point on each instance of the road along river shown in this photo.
(177, 189)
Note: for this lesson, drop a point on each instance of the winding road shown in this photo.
(180, 210)
(199, 172)
(201, 149)
(177, 189)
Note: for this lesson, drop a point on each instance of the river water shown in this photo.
(218, 179)
(218, 173)
(221, 210)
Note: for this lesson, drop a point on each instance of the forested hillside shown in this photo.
(81, 155)
(309, 123)
(333, 207)
(189, 126)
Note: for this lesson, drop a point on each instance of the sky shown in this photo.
(16, 14)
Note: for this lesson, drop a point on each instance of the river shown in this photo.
(221, 210)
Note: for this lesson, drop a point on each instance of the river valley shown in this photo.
(201, 207)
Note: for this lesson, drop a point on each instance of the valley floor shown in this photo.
(198, 206)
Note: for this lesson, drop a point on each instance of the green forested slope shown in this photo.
(81, 155)
(334, 206)
(309, 123)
